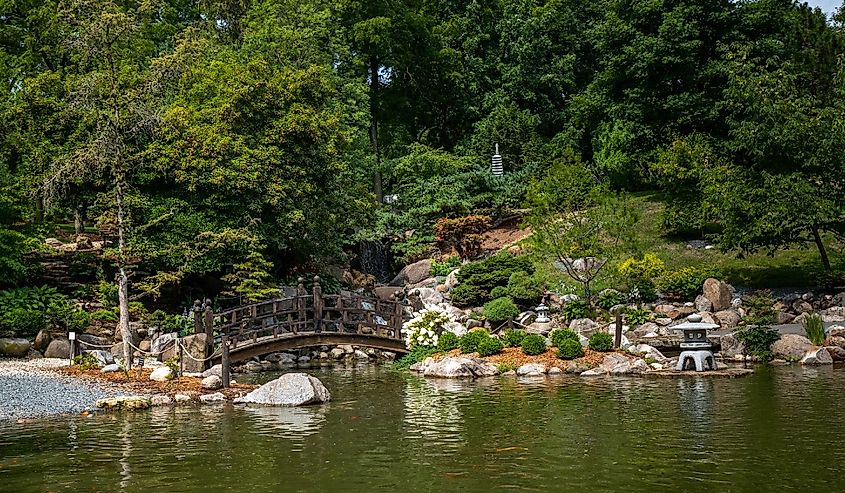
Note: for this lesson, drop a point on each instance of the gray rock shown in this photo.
(784, 318)
(337, 353)
(214, 370)
(531, 370)
(112, 368)
(457, 367)
(361, 355)
(58, 348)
(161, 400)
(728, 319)
(182, 398)
(413, 273)
(162, 374)
(731, 347)
(103, 358)
(702, 304)
(594, 372)
(647, 328)
(833, 314)
(648, 352)
(14, 348)
(817, 356)
(541, 328)
(212, 382)
(42, 340)
(718, 293)
(214, 398)
(91, 342)
(555, 371)
(452, 280)
(427, 296)
(583, 326)
(273, 358)
(195, 346)
(791, 347)
(303, 360)
(616, 364)
(291, 389)
(388, 355)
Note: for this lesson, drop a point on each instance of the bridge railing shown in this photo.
(309, 314)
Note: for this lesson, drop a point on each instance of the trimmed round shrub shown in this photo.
(533, 344)
(448, 341)
(499, 292)
(525, 288)
(513, 338)
(500, 310)
(490, 346)
(558, 336)
(569, 349)
(601, 341)
(467, 295)
(470, 341)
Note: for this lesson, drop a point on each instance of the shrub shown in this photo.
(533, 344)
(685, 283)
(20, 322)
(758, 340)
(445, 267)
(137, 309)
(158, 318)
(610, 298)
(500, 310)
(601, 341)
(85, 361)
(494, 271)
(814, 328)
(637, 316)
(490, 346)
(759, 308)
(463, 234)
(639, 274)
(416, 355)
(558, 336)
(505, 367)
(524, 288)
(575, 309)
(569, 349)
(513, 338)
(424, 328)
(500, 292)
(467, 295)
(471, 340)
(448, 341)
(107, 293)
(105, 316)
(173, 364)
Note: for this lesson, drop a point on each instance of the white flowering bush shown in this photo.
(425, 328)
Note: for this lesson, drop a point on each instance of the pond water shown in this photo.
(385, 431)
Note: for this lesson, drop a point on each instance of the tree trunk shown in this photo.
(374, 137)
(123, 280)
(78, 220)
(822, 250)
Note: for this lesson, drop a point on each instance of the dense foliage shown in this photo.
(247, 141)
(601, 341)
(559, 336)
(533, 344)
(569, 349)
(500, 310)
(470, 341)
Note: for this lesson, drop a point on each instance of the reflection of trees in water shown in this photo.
(293, 423)
(431, 410)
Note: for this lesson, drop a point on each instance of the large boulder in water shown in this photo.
(791, 347)
(458, 367)
(15, 348)
(291, 389)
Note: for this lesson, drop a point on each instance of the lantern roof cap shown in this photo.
(694, 323)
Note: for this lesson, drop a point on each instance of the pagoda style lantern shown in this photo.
(697, 352)
(496, 166)
(542, 314)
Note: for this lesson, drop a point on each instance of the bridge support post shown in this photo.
(617, 339)
(208, 318)
(224, 363)
(318, 304)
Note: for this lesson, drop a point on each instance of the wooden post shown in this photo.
(318, 304)
(617, 341)
(224, 362)
(197, 317)
(208, 317)
(300, 305)
(397, 320)
(181, 355)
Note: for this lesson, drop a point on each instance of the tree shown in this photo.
(578, 222)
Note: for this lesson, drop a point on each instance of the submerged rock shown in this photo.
(291, 389)
(131, 402)
(216, 397)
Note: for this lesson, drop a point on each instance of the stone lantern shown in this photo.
(542, 314)
(697, 349)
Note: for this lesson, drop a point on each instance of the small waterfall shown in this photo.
(376, 259)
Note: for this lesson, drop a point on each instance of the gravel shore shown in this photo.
(29, 389)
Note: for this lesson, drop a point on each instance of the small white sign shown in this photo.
(71, 336)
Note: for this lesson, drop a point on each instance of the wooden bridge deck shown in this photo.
(305, 320)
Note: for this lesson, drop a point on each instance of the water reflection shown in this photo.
(292, 423)
(431, 413)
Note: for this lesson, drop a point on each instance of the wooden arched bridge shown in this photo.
(305, 320)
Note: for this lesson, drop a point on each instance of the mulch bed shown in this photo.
(138, 381)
